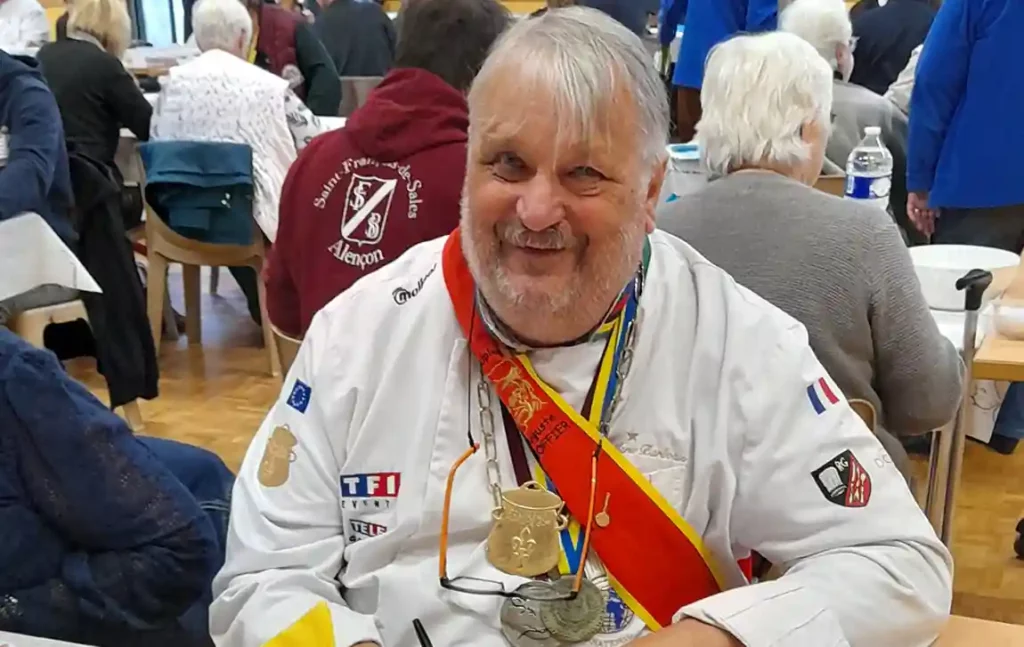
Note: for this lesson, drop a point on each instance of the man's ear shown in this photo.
(654, 192)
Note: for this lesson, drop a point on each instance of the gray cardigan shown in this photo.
(842, 270)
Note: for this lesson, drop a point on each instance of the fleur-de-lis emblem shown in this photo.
(523, 544)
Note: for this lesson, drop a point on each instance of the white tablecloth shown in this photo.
(17, 640)
(31, 254)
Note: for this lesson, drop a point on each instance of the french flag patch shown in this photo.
(821, 395)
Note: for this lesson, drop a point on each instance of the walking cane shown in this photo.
(947, 452)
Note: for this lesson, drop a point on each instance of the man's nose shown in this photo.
(540, 205)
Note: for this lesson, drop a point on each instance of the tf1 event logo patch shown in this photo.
(375, 490)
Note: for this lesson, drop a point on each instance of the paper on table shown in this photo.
(31, 254)
(18, 640)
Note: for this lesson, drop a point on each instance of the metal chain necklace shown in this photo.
(483, 391)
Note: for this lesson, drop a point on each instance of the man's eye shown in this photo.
(508, 167)
(585, 173)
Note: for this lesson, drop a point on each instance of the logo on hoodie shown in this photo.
(367, 204)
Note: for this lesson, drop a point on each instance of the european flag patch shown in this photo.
(299, 398)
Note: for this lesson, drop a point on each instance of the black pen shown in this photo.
(421, 633)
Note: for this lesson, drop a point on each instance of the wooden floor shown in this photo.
(216, 396)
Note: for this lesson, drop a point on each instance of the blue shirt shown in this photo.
(709, 22)
(965, 127)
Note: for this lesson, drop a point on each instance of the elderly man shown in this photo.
(825, 24)
(452, 458)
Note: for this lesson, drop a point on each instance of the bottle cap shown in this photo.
(873, 130)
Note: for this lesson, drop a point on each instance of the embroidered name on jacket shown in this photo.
(375, 490)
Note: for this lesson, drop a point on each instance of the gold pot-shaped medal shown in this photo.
(524, 538)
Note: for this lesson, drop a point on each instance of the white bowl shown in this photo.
(940, 266)
(1009, 318)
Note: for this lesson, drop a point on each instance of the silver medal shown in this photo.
(521, 623)
(577, 620)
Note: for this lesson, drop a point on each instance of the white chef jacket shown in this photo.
(23, 24)
(717, 412)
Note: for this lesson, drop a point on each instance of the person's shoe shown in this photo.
(1018, 546)
(918, 445)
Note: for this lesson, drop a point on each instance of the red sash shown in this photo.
(656, 561)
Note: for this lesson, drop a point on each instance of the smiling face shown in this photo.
(556, 205)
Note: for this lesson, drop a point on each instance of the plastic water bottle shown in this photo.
(869, 170)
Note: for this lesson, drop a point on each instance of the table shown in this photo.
(18, 640)
(31, 254)
(971, 632)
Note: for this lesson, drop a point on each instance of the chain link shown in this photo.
(483, 396)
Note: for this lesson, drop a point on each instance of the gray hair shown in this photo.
(758, 93)
(825, 24)
(583, 57)
(220, 24)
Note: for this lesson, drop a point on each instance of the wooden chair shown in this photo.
(31, 324)
(287, 348)
(867, 413)
(832, 184)
(165, 246)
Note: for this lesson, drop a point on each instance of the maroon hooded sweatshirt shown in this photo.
(358, 197)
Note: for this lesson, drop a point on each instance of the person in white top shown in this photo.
(901, 89)
(556, 349)
(23, 25)
(219, 96)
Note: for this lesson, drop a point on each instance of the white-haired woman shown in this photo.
(826, 25)
(220, 96)
(838, 267)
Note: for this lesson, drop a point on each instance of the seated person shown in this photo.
(33, 166)
(838, 267)
(96, 95)
(358, 36)
(344, 511)
(886, 37)
(410, 142)
(23, 24)
(287, 45)
(825, 24)
(220, 97)
(103, 542)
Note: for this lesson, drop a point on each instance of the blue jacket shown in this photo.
(36, 176)
(709, 22)
(965, 127)
(99, 541)
(202, 190)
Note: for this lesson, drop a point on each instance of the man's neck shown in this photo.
(514, 340)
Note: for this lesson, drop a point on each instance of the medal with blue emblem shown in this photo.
(617, 615)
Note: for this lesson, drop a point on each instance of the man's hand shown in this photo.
(919, 213)
(688, 633)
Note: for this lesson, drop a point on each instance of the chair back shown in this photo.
(354, 91)
(215, 194)
(832, 184)
(287, 348)
(867, 413)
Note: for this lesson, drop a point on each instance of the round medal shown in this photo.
(520, 619)
(577, 620)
